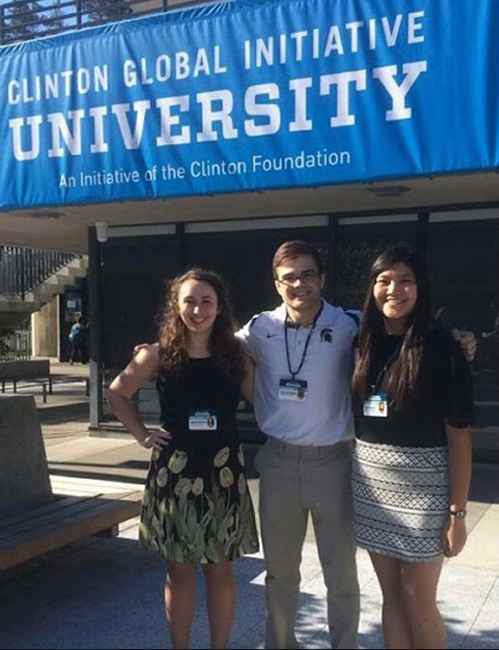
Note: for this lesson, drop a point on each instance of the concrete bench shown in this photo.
(69, 379)
(38, 372)
(39, 513)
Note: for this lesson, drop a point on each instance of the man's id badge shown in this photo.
(376, 406)
(293, 390)
(202, 420)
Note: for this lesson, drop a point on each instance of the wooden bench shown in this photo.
(38, 512)
(80, 508)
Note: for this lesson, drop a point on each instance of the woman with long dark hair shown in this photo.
(412, 464)
(196, 505)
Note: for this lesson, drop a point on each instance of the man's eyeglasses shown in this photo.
(306, 278)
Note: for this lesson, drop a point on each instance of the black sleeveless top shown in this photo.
(202, 386)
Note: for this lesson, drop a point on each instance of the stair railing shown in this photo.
(24, 269)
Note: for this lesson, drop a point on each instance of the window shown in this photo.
(464, 268)
(360, 241)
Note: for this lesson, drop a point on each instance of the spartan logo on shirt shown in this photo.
(327, 335)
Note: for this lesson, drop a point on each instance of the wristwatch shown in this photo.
(458, 514)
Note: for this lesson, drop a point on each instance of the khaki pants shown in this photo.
(296, 481)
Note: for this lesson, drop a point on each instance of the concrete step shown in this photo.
(54, 285)
(16, 305)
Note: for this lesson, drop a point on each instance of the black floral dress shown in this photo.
(196, 505)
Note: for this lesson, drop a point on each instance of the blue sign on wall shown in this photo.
(242, 95)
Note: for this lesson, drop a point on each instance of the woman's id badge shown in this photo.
(293, 390)
(202, 420)
(376, 406)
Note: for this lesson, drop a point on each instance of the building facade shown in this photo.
(258, 122)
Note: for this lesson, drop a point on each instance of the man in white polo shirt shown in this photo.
(304, 356)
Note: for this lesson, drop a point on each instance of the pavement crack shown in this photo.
(480, 610)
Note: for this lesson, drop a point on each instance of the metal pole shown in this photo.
(2, 25)
(79, 15)
(423, 234)
(95, 298)
(332, 259)
(23, 280)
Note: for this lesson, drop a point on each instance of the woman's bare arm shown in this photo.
(460, 454)
(142, 368)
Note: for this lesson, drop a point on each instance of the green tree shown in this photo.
(18, 17)
(57, 16)
(105, 9)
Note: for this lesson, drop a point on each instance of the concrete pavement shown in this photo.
(107, 593)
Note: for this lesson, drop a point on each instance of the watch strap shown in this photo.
(458, 514)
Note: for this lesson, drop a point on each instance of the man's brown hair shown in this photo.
(292, 249)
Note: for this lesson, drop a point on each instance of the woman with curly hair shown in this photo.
(196, 506)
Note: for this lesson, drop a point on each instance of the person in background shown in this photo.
(411, 471)
(196, 505)
(78, 341)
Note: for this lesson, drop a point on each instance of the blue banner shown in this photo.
(241, 96)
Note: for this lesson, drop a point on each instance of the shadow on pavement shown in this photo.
(78, 412)
(107, 594)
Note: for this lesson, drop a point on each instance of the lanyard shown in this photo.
(384, 370)
(286, 326)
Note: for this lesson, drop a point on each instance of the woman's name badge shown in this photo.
(202, 420)
(293, 390)
(376, 406)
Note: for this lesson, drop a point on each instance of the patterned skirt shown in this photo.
(400, 500)
(196, 505)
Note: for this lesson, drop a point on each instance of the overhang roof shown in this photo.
(66, 228)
